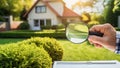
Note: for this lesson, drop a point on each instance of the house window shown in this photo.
(42, 22)
(40, 9)
(48, 22)
(36, 23)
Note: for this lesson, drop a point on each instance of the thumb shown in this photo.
(96, 39)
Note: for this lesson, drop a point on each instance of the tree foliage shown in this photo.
(89, 3)
(94, 15)
(14, 7)
(112, 11)
(84, 4)
(116, 6)
(108, 13)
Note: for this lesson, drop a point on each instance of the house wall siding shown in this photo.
(58, 6)
(48, 15)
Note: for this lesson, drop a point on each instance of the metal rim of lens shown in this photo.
(77, 23)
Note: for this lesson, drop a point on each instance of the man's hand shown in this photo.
(108, 40)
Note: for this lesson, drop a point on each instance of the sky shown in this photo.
(98, 5)
(69, 3)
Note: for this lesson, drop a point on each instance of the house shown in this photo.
(49, 13)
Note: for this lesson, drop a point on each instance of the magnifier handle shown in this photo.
(96, 33)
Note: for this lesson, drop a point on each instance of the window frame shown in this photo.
(36, 24)
(42, 22)
(40, 9)
(48, 22)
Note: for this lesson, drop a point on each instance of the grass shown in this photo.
(77, 52)
(9, 40)
(86, 52)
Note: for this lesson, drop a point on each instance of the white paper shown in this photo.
(86, 64)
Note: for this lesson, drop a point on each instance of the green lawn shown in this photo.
(9, 40)
(77, 52)
(85, 52)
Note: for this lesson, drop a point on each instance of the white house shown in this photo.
(49, 12)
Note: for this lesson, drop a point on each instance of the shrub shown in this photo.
(49, 44)
(60, 26)
(54, 27)
(91, 23)
(30, 34)
(46, 27)
(24, 26)
(24, 56)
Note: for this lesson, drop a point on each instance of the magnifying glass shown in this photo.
(79, 32)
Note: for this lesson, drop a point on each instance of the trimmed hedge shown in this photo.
(49, 44)
(46, 27)
(53, 27)
(31, 34)
(24, 56)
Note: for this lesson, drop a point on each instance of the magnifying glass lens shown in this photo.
(77, 32)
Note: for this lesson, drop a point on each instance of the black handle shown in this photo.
(96, 33)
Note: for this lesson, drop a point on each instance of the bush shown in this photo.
(60, 26)
(24, 26)
(54, 27)
(91, 23)
(49, 44)
(24, 56)
(46, 27)
(30, 34)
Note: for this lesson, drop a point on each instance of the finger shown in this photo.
(96, 39)
(96, 28)
(97, 45)
(102, 28)
(91, 42)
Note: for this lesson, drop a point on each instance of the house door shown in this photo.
(42, 24)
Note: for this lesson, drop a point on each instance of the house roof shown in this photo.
(69, 13)
(66, 13)
(48, 5)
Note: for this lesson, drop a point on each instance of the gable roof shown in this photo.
(66, 13)
(69, 13)
(25, 15)
(50, 7)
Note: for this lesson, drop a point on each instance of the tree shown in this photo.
(14, 7)
(83, 4)
(88, 15)
(116, 6)
(109, 15)
(27, 6)
(22, 14)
